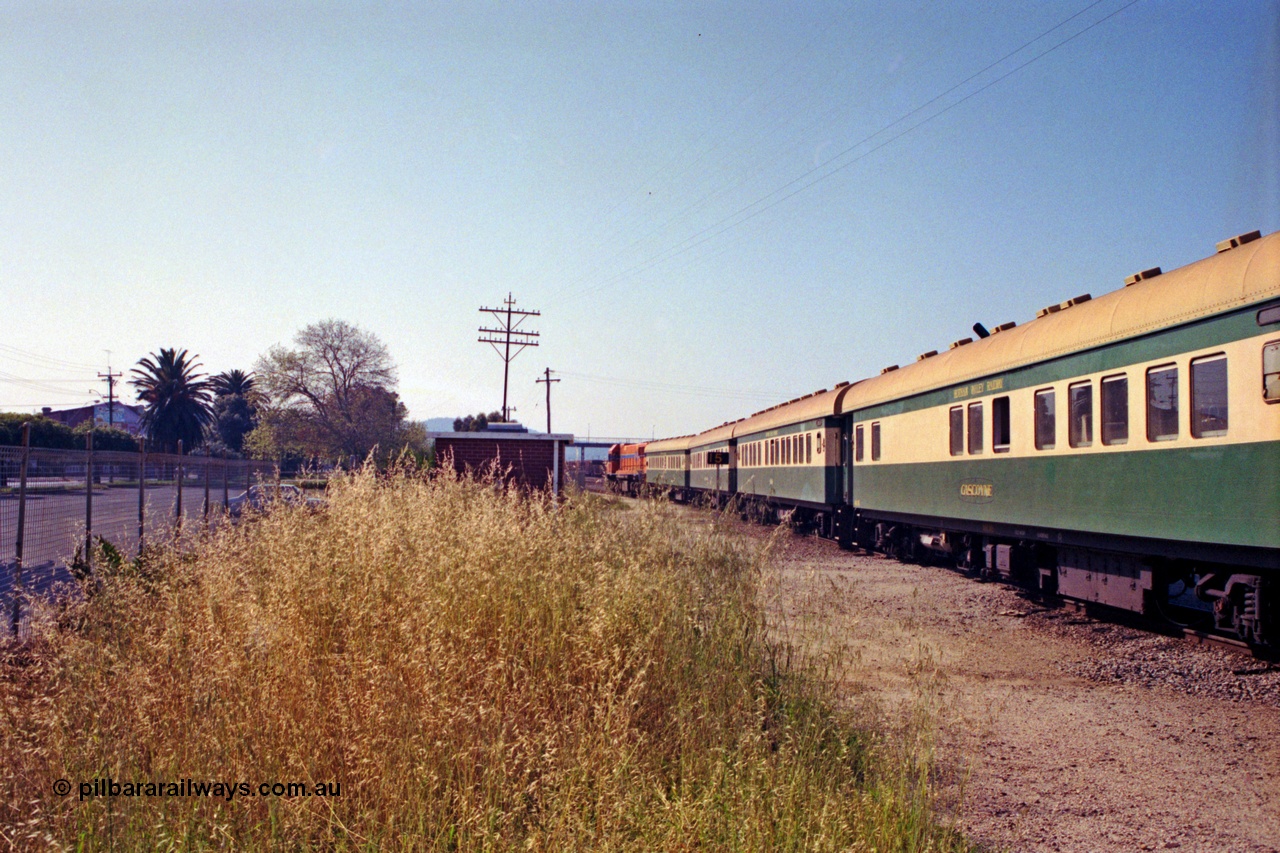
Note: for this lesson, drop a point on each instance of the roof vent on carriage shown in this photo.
(1238, 240)
(885, 370)
(1063, 306)
(960, 343)
(930, 354)
(1146, 274)
(1003, 327)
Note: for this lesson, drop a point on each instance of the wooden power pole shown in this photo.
(548, 380)
(111, 394)
(507, 336)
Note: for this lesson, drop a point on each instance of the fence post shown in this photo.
(142, 497)
(208, 463)
(22, 526)
(177, 521)
(88, 499)
(226, 488)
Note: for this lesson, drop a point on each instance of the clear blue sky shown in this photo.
(215, 176)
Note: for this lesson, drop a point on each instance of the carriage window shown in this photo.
(1115, 409)
(975, 427)
(1080, 414)
(1162, 403)
(957, 430)
(808, 448)
(1209, 396)
(1000, 432)
(1046, 420)
(857, 453)
(875, 441)
(1271, 372)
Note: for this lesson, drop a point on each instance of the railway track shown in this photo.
(1192, 636)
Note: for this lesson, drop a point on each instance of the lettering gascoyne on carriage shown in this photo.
(977, 491)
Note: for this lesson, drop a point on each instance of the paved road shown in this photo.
(55, 528)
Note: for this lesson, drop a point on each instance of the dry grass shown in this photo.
(478, 671)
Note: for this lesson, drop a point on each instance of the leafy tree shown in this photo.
(105, 438)
(45, 432)
(476, 423)
(176, 397)
(332, 394)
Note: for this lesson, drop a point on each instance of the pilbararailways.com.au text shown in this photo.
(199, 788)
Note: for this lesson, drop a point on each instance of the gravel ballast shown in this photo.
(1055, 731)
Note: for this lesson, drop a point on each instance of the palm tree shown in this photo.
(176, 398)
(235, 411)
(234, 382)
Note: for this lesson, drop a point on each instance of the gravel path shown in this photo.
(1054, 732)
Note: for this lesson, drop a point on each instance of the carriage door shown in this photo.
(846, 460)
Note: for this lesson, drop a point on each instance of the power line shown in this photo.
(752, 210)
(651, 178)
(700, 390)
(42, 360)
(41, 386)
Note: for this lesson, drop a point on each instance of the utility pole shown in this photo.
(111, 391)
(508, 319)
(548, 380)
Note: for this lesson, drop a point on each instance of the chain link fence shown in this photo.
(69, 498)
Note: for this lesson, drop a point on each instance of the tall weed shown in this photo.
(476, 669)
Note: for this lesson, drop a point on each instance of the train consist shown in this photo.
(1122, 450)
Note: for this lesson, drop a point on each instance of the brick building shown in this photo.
(536, 460)
(122, 416)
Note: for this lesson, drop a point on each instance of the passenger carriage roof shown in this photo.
(668, 445)
(724, 432)
(820, 404)
(1233, 279)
